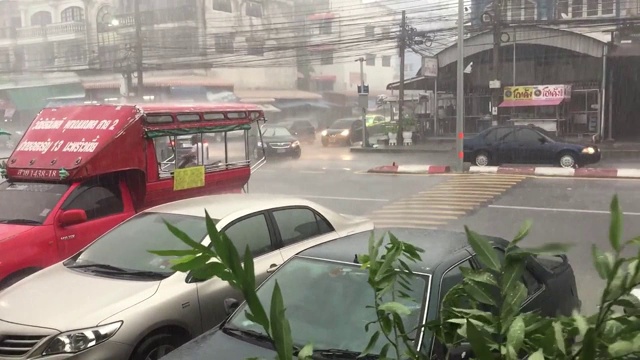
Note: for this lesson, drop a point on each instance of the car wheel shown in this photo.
(325, 143)
(567, 160)
(482, 159)
(296, 155)
(156, 347)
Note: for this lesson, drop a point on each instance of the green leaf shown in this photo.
(280, 330)
(522, 233)
(483, 249)
(372, 342)
(516, 296)
(512, 275)
(620, 348)
(515, 336)
(478, 342)
(589, 345)
(174, 252)
(601, 262)
(538, 355)
(189, 263)
(559, 336)
(211, 270)
(395, 307)
(479, 292)
(580, 323)
(479, 276)
(615, 227)
(248, 269)
(186, 238)
(306, 352)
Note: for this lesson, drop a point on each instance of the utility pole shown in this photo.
(139, 54)
(363, 97)
(497, 33)
(460, 90)
(403, 49)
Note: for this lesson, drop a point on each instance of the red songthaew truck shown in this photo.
(80, 170)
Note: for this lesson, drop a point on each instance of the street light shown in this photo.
(460, 90)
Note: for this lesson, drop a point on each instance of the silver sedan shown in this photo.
(116, 300)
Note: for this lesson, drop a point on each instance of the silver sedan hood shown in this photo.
(63, 299)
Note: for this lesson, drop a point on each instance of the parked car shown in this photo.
(343, 132)
(335, 287)
(116, 300)
(277, 141)
(526, 145)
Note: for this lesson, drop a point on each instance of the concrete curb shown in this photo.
(410, 169)
(559, 172)
(397, 150)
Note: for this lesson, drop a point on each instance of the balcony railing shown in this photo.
(161, 16)
(65, 28)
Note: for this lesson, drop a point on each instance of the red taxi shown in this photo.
(80, 170)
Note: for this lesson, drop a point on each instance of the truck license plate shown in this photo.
(332, 140)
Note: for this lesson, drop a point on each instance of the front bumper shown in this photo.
(586, 159)
(335, 139)
(285, 152)
(40, 339)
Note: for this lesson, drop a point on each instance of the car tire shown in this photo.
(156, 346)
(297, 155)
(482, 158)
(325, 143)
(567, 160)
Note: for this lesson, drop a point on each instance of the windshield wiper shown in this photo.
(229, 330)
(341, 354)
(20, 222)
(119, 271)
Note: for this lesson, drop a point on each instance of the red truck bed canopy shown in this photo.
(73, 142)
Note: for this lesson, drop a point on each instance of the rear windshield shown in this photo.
(28, 203)
(341, 124)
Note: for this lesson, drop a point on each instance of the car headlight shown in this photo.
(345, 133)
(589, 150)
(79, 340)
(295, 143)
(259, 143)
(324, 133)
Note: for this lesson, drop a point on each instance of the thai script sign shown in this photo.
(537, 92)
(188, 178)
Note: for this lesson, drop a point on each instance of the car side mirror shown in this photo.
(543, 140)
(72, 217)
(461, 352)
(230, 305)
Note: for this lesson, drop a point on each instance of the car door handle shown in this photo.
(272, 268)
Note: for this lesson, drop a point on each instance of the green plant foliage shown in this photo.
(484, 311)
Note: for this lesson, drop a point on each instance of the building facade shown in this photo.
(338, 34)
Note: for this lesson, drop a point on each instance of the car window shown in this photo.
(357, 124)
(29, 202)
(452, 277)
(508, 135)
(127, 245)
(97, 200)
(299, 224)
(275, 131)
(341, 124)
(528, 136)
(253, 232)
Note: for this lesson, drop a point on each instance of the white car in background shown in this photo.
(116, 300)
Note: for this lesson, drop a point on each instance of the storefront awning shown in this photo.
(523, 103)
(37, 97)
(417, 83)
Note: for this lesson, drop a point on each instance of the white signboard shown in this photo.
(429, 67)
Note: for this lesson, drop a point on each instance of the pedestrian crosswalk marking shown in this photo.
(445, 202)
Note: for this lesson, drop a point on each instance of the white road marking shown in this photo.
(311, 172)
(559, 210)
(343, 198)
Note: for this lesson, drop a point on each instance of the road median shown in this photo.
(558, 172)
(410, 169)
